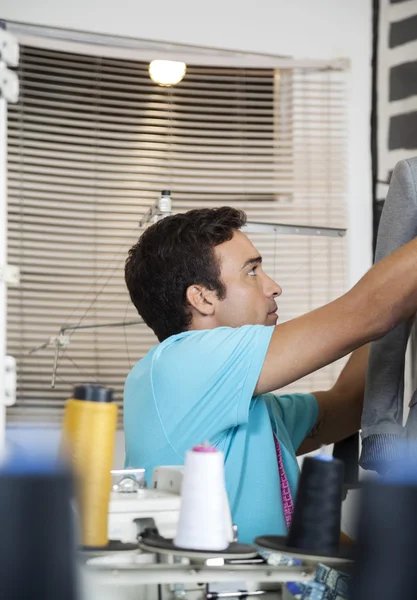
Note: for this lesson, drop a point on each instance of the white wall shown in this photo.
(303, 29)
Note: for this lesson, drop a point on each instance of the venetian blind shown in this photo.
(93, 141)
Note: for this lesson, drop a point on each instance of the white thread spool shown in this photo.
(204, 522)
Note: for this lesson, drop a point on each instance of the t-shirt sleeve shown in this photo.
(299, 414)
(203, 382)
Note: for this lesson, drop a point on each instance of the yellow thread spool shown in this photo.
(89, 431)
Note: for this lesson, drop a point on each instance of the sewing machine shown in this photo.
(130, 499)
(139, 575)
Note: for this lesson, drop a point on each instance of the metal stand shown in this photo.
(163, 208)
(131, 574)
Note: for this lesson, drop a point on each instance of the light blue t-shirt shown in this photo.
(199, 385)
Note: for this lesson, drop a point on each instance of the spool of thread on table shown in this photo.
(386, 547)
(37, 549)
(89, 428)
(316, 519)
(203, 522)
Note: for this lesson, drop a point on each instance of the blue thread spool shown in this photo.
(386, 548)
(37, 546)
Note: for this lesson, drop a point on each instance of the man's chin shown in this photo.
(272, 319)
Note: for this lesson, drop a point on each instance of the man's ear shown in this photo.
(201, 299)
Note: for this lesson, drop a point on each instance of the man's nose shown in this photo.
(277, 291)
(272, 288)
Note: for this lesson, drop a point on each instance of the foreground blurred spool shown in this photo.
(89, 431)
(386, 549)
(37, 547)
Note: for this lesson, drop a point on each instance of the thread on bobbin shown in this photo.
(89, 427)
(316, 519)
(204, 522)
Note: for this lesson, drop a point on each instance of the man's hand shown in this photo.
(340, 408)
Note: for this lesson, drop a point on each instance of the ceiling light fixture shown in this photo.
(167, 72)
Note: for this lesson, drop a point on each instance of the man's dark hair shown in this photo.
(171, 255)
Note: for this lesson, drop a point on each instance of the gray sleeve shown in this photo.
(383, 404)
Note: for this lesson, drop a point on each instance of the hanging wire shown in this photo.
(114, 299)
(114, 264)
(65, 355)
(168, 151)
(97, 106)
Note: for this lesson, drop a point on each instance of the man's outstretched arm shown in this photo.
(340, 408)
(384, 297)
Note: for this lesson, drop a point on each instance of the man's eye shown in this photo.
(252, 272)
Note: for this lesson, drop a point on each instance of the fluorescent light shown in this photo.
(167, 72)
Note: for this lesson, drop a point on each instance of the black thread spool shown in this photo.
(315, 523)
(37, 546)
(386, 548)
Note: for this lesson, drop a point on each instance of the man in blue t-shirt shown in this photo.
(198, 282)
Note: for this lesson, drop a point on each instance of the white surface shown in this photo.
(168, 478)
(144, 501)
(9, 49)
(163, 507)
(10, 381)
(324, 29)
(9, 83)
(95, 588)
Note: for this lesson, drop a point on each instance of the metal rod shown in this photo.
(256, 227)
(41, 347)
(143, 574)
(287, 229)
(55, 367)
(237, 594)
